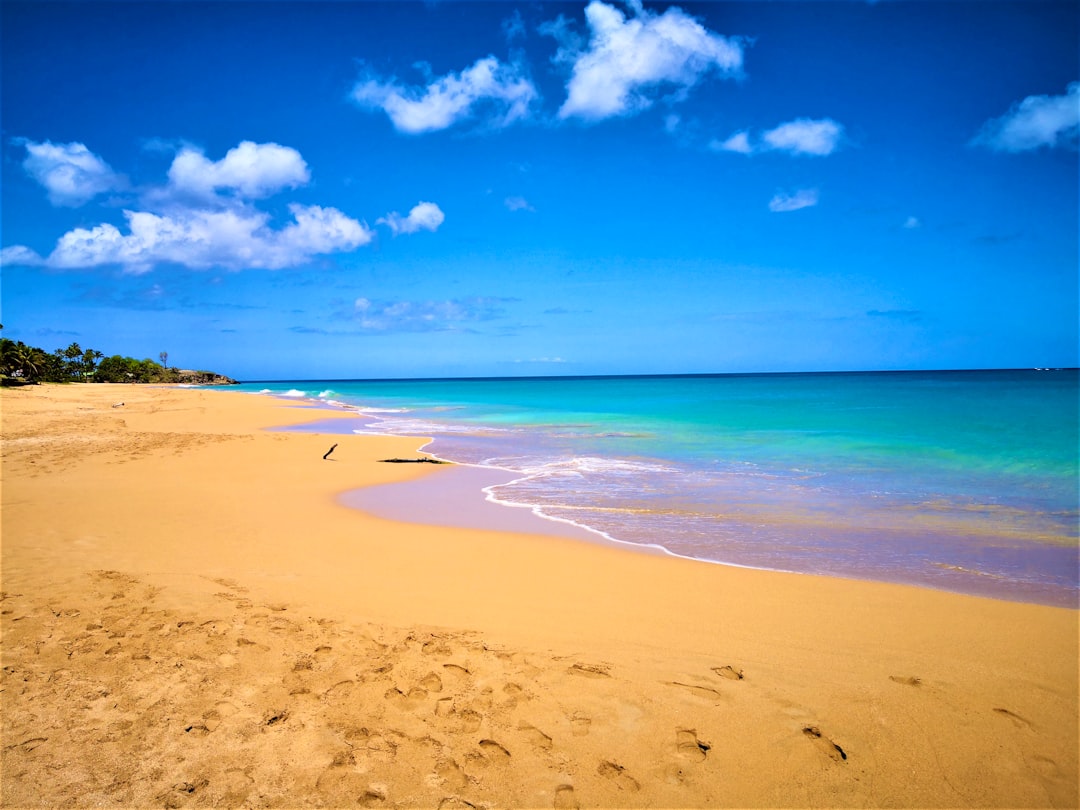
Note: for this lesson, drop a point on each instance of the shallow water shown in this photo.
(958, 480)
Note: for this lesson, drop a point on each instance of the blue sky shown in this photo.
(282, 190)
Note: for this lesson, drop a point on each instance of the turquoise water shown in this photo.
(959, 480)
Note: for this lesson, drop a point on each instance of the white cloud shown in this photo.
(199, 239)
(739, 142)
(425, 316)
(452, 98)
(628, 59)
(803, 198)
(252, 170)
(912, 222)
(514, 27)
(1035, 122)
(805, 137)
(19, 255)
(70, 173)
(518, 204)
(186, 222)
(423, 216)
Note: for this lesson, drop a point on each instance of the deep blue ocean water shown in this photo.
(966, 481)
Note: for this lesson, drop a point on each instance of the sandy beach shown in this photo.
(191, 618)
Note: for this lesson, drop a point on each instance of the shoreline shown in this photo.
(1038, 594)
(189, 617)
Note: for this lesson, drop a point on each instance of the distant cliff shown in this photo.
(189, 377)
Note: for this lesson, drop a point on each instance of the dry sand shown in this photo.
(191, 619)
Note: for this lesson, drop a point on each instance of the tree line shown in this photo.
(20, 362)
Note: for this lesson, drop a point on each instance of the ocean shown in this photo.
(965, 481)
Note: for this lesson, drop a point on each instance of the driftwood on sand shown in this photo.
(413, 461)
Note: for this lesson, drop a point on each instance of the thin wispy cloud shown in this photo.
(1037, 121)
(71, 174)
(518, 204)
(803, 198)
(628, 62)
(500, 93)
(187, 222)
(424, 216)
(738, 142)
(803, 136)
(426, 316)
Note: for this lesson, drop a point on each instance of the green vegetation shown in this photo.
(29, 364)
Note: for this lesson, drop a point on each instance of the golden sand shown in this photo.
(190, 619)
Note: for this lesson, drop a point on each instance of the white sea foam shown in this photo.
(326, 394)
(295, 393)
(421, 427)
(582, 466)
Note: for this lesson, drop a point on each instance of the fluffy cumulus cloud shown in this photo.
(203, 238)
(189, 223)
(628, 60)
(803, 198)
(424, 216)
(803, 136)
(251, 170)
(502, 92)
(1035, 122)
(71, 174)
(425, 316)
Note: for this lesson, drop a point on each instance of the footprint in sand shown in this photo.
(618, 774)
(689, 746)
(906, 680)
(340, 691)
(494, 752)
(1017, 720)
(700, 691)
(824, 744)
(432, 682)
(729, 672)
(451, 774)
(372, 798)
(535, 737)
(565, 798)
(589, 671)
(579, 724)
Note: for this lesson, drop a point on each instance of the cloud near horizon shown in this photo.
(486, 85)
(426, 316)
(214, 230)
(628, 60)
(1035, 122)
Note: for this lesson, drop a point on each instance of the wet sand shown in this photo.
(191, 617)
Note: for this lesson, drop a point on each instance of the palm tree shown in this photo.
(22, 360)
(73, 355)
(89, 360)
